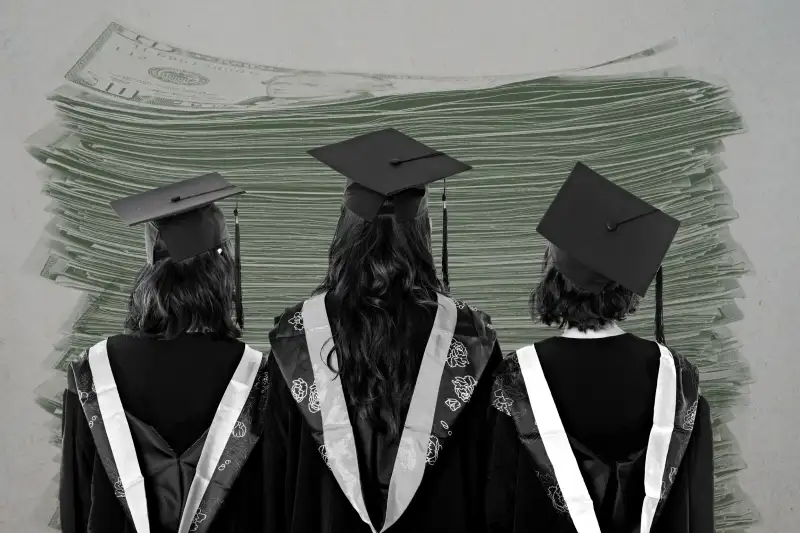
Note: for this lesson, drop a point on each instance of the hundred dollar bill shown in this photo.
(61, 359)
(133, 68)
(49, 395)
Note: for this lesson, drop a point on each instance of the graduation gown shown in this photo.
(323, 474)
(543, 478)
(120, 475)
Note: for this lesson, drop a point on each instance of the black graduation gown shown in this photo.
(605, 392)
(320, 479)
(99, 491)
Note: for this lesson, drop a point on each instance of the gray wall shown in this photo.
(752, 45)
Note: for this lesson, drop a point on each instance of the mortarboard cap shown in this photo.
(604, 233)
(184, 215)
(387, 165)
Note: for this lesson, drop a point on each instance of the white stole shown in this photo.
(121, 440)
(338, 435)
(559, 451)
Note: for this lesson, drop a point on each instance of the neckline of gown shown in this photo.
(609, 331)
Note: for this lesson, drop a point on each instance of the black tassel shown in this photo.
(239, 304)
(660, 307)
(445, 273)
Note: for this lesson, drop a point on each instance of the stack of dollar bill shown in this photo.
(137, 113)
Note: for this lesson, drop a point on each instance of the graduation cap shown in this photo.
(388, 173)
(602, 233)
(186, 221)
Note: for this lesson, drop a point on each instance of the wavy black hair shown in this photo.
(195, 295)
(380, 274)
(558, 301)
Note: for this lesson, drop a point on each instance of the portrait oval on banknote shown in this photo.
(177, 76)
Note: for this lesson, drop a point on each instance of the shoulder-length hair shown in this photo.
(191, 296)
(379, 273)
(558, 301)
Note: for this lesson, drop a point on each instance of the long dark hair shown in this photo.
(558, 301)
(191, 296)
(379, 274)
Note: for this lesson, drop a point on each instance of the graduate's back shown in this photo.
(604, 388)
(175, 385)
(597, 429)
(163, 424)
(603, 383)
(387, 389)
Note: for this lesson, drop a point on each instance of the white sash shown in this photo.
(121, 440)
(415, 438)
(559, 451)
(119, 436)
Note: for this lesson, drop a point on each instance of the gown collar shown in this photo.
(609, 330)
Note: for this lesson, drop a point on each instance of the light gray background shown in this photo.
(751, 44)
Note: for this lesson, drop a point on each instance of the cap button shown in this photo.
(611, 226)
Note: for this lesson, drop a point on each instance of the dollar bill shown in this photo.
(140, 70)
(49, 395)
(61, 359)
